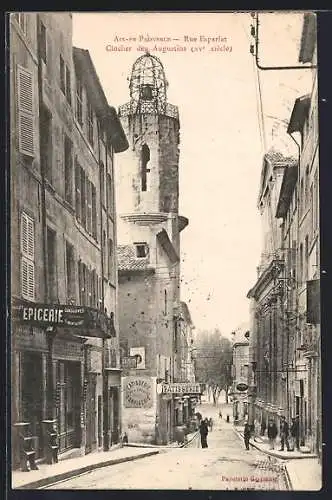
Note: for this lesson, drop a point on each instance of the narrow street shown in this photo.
(224, 465)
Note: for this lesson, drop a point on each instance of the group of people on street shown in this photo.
(287, 433)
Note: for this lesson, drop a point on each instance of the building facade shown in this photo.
(240, 374)
(291, 383)
(65, 351)
(149, 254)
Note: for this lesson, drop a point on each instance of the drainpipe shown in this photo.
(297, 280)
(103, 370)
(49, 332)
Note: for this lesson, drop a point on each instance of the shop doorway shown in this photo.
(32, 395)
(69, 401)
(91, 413)
(114, 414)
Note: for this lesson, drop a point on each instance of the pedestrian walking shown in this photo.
(256, 429)
(220, 414)
(295, 433)
(203, 430)
(272, 433)
(246, 435)
(284, 432)
(210, 424)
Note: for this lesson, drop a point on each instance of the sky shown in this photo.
(221, 134)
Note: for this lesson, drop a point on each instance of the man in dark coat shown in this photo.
(284, 431)
(246, 435)
(295, 432)
(203, 430)
(272, 432)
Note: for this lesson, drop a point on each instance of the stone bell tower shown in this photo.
(148, 174)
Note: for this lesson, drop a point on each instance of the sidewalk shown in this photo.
(64, 469)
(303, 469)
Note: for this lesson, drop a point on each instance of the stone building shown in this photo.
(63, 232)
(240, 374)
(149, 254)
(267, 353)
(296, 278)
(298, 207)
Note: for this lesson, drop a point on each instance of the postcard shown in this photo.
(165, 249)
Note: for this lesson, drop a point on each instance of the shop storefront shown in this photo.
(51, 390)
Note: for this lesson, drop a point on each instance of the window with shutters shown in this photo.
(109, 194)
(104, 250)
(45, 120)
(102, 183)
(110, 260)
(94, 212)
(89, 206)
(83, 198)
(90, 122)
(70, 273)
(51, 266)
(42, 42)
(27, 242)
(68, 85)
(80, 281)
(79, 101)
(78, 200)
(25, 108)
(62, 75)
(68, 161)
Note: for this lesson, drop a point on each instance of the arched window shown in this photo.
(145, 158)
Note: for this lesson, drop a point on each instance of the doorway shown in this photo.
(32, 395)
(114, 414)
(69, 397)
(91, 413)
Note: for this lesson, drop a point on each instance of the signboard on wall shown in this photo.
(181, 388)
(90, 322)
(138, 392)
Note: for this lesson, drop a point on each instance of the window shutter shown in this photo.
(78, 191)
(27, 257)
(25, 104)
(27, 236)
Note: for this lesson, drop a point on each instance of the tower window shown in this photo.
(141, 250)
(146, 92)
(145, 158)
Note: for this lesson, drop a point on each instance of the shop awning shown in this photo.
(81, 320)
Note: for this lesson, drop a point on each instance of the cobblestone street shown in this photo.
(224, 465)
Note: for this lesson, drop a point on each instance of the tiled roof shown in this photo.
(127, 260)
(275, 156)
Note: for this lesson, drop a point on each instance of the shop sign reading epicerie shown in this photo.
(138, 393)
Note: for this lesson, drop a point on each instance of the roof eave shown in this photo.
(308, 38)
(287, 188)
(298, 115)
